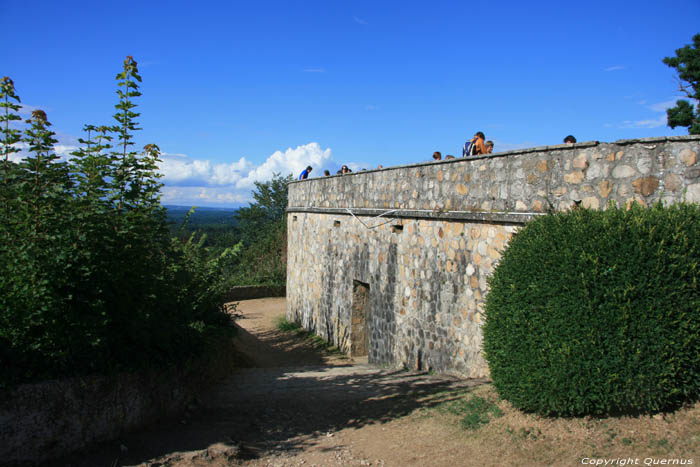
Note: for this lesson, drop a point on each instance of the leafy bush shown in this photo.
(595, 312)
(90, 279)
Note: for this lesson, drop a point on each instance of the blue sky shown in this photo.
(234, 91)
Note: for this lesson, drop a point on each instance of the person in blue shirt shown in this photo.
(305, 173)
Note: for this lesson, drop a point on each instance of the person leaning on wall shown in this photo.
(437, 155)
(305, 173)
(475, 146)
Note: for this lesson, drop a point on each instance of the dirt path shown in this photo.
(298, 407)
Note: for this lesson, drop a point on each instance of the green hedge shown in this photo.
(598, 312)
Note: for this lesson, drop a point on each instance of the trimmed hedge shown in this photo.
(598, 312)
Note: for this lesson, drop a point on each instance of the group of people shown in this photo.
(477, 145)
(473, 147)
(326, 173)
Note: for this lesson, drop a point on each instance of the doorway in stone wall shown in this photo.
(359, 334)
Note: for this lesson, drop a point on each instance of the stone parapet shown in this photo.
(529, 181)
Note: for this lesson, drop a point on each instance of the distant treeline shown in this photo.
(202, 216)
(257, 234)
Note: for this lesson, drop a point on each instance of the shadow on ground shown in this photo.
(284, 408)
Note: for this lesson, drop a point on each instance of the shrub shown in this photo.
(598, 312)
(90, 279)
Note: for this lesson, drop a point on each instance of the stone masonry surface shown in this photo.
(441, 229)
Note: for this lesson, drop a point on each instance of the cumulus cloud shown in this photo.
(201, 182)
(180, 170)
(63, 151)
(190, 181)
(290, 161)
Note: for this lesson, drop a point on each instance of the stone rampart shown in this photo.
(400, 257)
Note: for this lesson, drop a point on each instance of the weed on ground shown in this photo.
(309, 338)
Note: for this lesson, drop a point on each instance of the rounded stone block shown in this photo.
(646, 185)
(623, 171)
(688, 157)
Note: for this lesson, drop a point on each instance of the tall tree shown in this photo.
(687, 64)
(268, 208)
(263, 230)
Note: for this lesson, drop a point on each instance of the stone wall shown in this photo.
(47, 420)
(422, 239)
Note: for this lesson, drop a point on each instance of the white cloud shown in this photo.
(291, 161)
(615, 68)
(663, 106)
(201, 182)
(64, 151)
(180, 170)
(359, 21)
(26, 110)
(314, 70)
(656, 122)
(650, 123)
(202, 196)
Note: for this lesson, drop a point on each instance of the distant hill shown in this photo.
(202, 216)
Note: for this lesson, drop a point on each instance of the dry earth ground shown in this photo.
(301, 406)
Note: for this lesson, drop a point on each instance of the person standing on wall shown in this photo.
(305, 173)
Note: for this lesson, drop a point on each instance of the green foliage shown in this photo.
(288, 326)
(263, 229)
(687, 64)
(474, 411)
(259, 231)
(90, 279)
(598, 312)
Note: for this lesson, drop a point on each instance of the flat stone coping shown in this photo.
(499, 217)
(558, 147)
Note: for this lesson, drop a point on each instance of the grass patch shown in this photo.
(309, 338)
(474, 411)
(288, 326)
(496, 433)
